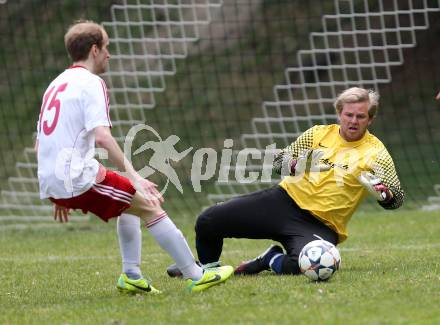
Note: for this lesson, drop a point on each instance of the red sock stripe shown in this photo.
(157, 219)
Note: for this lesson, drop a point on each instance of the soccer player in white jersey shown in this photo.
(74, 118)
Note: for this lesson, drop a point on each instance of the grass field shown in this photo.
(66, 275)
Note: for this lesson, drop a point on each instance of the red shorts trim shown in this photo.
(106, 199)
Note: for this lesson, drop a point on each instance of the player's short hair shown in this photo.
(81, 36)
(358, 95)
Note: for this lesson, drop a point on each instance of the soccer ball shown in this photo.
(319, 260)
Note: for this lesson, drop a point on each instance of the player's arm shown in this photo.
(105, 140)
(389, 185)
(299, 157)
(287, 157)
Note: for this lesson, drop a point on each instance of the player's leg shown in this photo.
(115, 195)
(130, 243)
(300, 229)
(167, 235)
(251, 216)
(296, 227)
(106, 200)
(109, 198)
(171, 239)
(246, 216)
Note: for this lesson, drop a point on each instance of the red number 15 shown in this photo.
(54, 103)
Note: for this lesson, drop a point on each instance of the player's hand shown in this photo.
(149, 191)
(61, 213)
(374, 186)
(438, 96)
(309, 161)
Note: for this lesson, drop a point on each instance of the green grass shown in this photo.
(66, 275)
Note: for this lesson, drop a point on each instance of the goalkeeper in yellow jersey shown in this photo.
(329, 170)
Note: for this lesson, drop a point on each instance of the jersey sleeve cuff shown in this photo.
(91, 126)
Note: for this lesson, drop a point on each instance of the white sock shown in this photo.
(172, 241)
(130, 242)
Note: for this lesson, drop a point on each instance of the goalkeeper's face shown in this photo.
(354, 121)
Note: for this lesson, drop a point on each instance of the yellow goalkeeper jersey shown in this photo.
(333, 196)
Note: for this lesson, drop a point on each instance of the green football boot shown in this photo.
(130, 286)
(211, 277)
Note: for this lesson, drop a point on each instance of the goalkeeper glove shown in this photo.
(308, 161)
(374, 185)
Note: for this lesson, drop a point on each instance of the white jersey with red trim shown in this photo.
(74, 104)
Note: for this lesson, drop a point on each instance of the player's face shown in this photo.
(103, 56)
(354, 121)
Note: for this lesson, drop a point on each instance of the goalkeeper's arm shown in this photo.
(384, 169)
(287, 157)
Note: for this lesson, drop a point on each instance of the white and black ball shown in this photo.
(319, 260)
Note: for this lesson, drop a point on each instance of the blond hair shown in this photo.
(358, 95)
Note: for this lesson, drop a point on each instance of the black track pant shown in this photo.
(267, 214)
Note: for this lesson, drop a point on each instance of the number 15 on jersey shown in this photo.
(48, 106)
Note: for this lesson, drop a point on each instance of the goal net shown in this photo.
(215, 77)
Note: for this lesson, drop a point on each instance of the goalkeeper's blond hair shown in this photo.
(358, 95)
